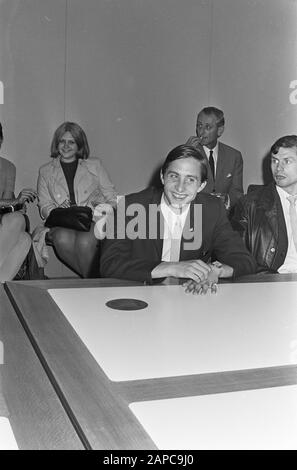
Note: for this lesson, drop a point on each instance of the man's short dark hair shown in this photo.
(1, 132)
(218, 113)
(287, 141)
(186, 151)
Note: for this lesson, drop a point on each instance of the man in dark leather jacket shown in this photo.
(262, 216)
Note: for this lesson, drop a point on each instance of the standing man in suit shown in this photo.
(267, 216)
(225, 164)
(15, 242)
(179, 231)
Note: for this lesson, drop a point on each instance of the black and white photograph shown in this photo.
(148, 228)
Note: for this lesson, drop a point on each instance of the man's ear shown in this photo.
(202, 186)
(161, 177)
(220, 130)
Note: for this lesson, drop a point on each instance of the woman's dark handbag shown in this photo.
(74, 217)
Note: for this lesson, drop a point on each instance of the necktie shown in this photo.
(293, 218)
(211, 163)
(175, 241)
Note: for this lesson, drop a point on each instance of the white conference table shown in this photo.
(149, 378)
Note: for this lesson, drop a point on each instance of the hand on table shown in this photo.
(200, 276)
(195, 269)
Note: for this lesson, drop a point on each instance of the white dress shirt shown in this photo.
(290, 263)
(173, 227)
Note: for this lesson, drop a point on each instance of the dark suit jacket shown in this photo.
(135, 259)
(229, 171)
(260, 219)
